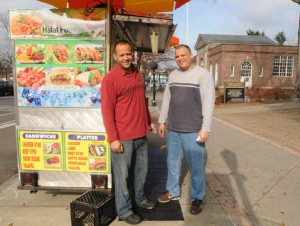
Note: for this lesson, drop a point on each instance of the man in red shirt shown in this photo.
(127, 121)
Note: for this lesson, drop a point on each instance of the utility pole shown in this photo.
(298, 63)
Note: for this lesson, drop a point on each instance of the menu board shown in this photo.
(59, 56)
(40, 150)
(84, 151)
(59, 73)
(59, 61)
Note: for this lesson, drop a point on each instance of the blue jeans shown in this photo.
(135, 155)
(177, 144)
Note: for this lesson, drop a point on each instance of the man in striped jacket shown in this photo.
(186, 116)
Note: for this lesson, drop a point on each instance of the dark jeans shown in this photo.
(135, 152)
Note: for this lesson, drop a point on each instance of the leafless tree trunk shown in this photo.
(5, 48)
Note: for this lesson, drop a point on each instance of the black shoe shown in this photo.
(133, 219)
(196, 207)
(146, 204)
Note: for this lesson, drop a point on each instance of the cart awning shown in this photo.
(138, 29)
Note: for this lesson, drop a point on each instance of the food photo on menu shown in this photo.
(30, 54)
(97, 150)
(60, 77)
(97, 164)
(31, 76)
(51, 148)
(52, 161)
(61, 53)
(88, 53)
(88, 76)
(25, 24)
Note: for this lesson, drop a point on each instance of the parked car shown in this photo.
(6, 88)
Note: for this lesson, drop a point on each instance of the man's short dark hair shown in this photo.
(121, 42)
(183, 46)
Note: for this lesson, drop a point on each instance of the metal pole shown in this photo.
(109, 34)
(187, 23)
(154, 88)
(298, 64)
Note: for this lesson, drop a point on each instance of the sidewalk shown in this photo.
(250, 182)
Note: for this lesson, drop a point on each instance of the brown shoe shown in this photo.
(196, 207)
(167, 197)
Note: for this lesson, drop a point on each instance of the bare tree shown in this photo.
(5, 48)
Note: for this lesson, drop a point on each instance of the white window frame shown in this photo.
(246, 69)
(283, 66)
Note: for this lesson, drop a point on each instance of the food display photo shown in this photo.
(97, 150)
(88, 53)
(30, 54)
(61, 53)
(88, 76)
(51, 148)
(60, 77)
(26, 24)
(97, 164)
(52, 161)
(31, 77)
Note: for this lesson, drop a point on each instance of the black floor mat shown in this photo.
(155, 186)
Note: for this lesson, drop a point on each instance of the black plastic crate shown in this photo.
(93, 208)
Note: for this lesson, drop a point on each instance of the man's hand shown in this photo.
(116, 146)
(161, 129)
(153, 128)
(203, 135)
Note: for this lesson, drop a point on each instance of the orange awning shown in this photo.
(174, 41)
(75, 4)
(60, 4)
(152, 6)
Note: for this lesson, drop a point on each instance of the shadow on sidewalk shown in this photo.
(156, 182)
(239, 179)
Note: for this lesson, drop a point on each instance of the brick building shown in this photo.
(255, 60)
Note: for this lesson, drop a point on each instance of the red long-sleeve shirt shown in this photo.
(124, 110)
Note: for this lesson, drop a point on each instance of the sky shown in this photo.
(232, 17)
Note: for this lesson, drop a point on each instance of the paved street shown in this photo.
(8, 148)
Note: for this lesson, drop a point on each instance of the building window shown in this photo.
(261, 72)
(283, 66)
(246, 71)
(211, 69)
(216, 75)
(231, 71)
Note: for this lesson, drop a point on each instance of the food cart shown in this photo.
(60, 59)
